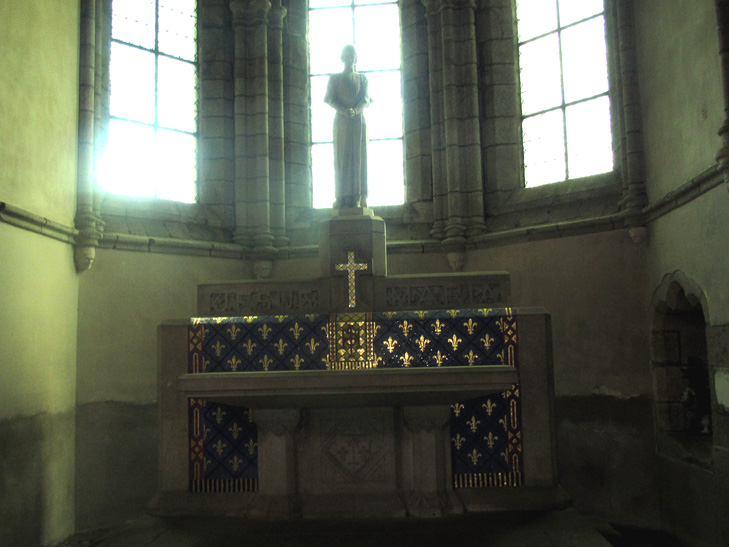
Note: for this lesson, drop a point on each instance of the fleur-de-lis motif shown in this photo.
(422, 342)
(474, 456)
(235, 430)
(218, 347)
(280, 318)
(406, 359)
(250, 318)
(235, 462)
(390, 314)
(280, 346)
(312, 345)
(470, 325)
(266, 362)
(489, 406)
(485, 311)
(265, 330)
(248, 346)
(437, 326)
(297, 361)
(421, 313)
(249, 414)
(502, 324)
(219, 447)
(233, 331)
(471, 357)
(218, 414)
(439, 357)
(503, 422)
(251, 446)
(296, 330)
(453, 313)
(206, 364)
(234, 362)
(491, 439)
(390, 344)
(457, 409)
(219, 320)
(406, 327)
(487, 340)
(458, 441)
(454, 341)
(473, 424)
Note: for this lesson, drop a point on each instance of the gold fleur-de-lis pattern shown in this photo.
(455, 337)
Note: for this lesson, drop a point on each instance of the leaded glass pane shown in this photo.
(177, 28)
(571, 11)
(541, 85)
(314, 4)
(385, 182)
(384, 115)
(589, 138)
(132, 73)
(133, 21)
(584, 60)
(322, 115)
(322, 170)
(544, 154)
(377, 37)
(176, 164)
(535, 17)
(329, 31)
(128, 166)
(176, 94)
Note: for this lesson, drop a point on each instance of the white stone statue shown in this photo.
(347, 93)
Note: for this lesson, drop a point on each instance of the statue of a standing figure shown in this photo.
(347, 93)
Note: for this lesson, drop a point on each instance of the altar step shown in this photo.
(563, 528)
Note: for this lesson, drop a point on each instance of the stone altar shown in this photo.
(338, 435)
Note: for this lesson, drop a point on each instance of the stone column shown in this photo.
(722, 18)
(252, 206)
(87, 221)
(430, 462)
(437, 121)
(277, 461)
(634, 196)
(276, 165)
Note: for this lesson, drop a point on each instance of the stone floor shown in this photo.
(565, 528)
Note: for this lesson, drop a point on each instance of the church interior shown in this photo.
(630, 264)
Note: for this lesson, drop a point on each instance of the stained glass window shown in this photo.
(564, 90)
(152, 141)
(373, 27)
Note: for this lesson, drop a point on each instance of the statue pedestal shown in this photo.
(352, 251)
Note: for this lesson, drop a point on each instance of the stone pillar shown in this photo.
(252, 205)
(437, 120)
(90, 132)
(722, 18)
(276, 164)
(431, 495)
(452, 46)
(277, 461)
(634, 195)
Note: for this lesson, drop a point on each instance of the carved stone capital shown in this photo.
(250, 12)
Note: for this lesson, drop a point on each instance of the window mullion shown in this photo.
(563, 107)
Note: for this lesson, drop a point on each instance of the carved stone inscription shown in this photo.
(434, 295)
(241, 302)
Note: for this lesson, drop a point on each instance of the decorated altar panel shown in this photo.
(486, 446)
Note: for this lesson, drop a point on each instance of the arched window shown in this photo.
(373, 26)
(564, 90)
(152, 140)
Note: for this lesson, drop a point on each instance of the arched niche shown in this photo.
(681, 380)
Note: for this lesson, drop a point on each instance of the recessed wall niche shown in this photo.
(682, 393)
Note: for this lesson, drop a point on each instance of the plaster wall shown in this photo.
(38, 282)
(679, 79)
(39, 105)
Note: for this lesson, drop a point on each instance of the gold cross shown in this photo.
(350, 267)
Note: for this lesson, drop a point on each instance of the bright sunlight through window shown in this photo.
(373, 26)
(564, 90)
(152, 143)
